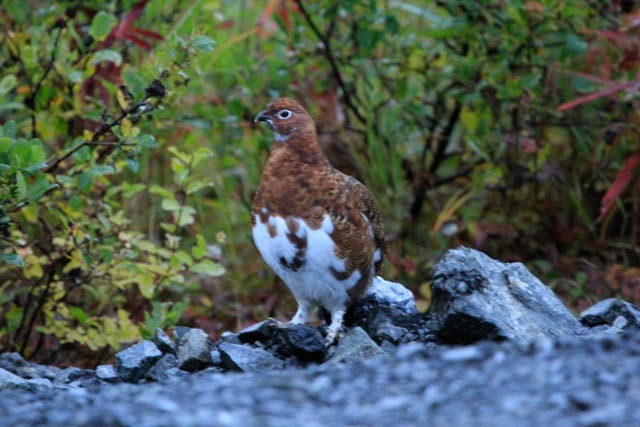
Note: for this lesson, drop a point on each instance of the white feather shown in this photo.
(313, 283)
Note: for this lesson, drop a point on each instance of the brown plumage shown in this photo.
(317, 228)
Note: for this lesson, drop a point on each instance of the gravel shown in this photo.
(566, 382)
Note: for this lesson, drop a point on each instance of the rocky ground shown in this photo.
(496, 349)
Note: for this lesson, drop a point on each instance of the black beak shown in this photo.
(263, 116)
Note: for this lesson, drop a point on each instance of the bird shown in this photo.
(317, 228)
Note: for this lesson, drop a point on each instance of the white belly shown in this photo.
(313, 282)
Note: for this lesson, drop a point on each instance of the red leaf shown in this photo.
(596, 95)
(619, 184)
(125, 31)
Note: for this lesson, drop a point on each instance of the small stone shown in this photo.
(607, 311)
(179, 332)
(107, 373)
(393, 294)
(158, 372)
(164, 343)
(301, 341)
(133, 363)
(462, 354)
(261, 331)
(14, 363)
(194, 350)
(228, 336)
(81, 377)
(176, 373)
(10, 381)
(245, 358)
(355, 346)
(391, 333)
(215, 356)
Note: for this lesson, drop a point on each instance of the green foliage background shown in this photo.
(128, 157)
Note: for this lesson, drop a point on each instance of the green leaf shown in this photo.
(146, 285)
(12, 259)
(170, 205)
(195, 186)
(102, 25)
(203, 44)
(147, 141)
(14, 315)
(37, 151)
(161, 191)
(7, 83)
(208, 267)
(107, 55)
(9, 129)
(20, 154)
(5, 144)
(79, 314)
(40, 186)
(133, 165)
(22, 185)
(200, 250)
(129, 190)
(200, 154)
(76, 204)
(186, 218)
(99, 170)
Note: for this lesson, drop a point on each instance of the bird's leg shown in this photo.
(335, 327)
(301, 314)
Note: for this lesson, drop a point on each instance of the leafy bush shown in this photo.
(83, 105)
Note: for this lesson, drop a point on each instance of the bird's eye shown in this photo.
(284, 114)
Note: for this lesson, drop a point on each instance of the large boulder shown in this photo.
(475, 297)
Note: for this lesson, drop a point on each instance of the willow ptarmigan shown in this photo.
(317, 228)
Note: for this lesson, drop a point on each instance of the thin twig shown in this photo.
(106, 127)
(328, 53)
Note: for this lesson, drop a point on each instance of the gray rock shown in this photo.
(578, 382)
(133, 363)
(462, 354)
(391, 333)
(164, 343)
(14, 363)
(10, 381)
(194, 350)
(355, 346)
(76, 377)
(391, 293)
(228, 336)
(244, 358)
(215, 356)
(107, 373)
(158, 372)
(475, 297)
(179, 332)
(259, 332)
(302, 342)
(607, 311)
(177, 373)
(387, 312)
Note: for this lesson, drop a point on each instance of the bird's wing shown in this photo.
(360, 216)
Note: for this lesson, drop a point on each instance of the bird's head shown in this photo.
(285, 117)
